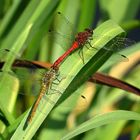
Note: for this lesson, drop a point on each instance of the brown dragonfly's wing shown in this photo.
(27, 73)
(70, 102)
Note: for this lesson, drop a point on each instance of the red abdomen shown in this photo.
(68, 52)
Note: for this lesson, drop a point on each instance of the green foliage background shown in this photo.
(23, 29)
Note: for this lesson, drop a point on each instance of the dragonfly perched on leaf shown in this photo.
(77, 43)
(71, 41)
(41, 80)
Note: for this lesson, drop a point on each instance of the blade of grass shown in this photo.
(125, 7)
(34, 14)
(88, 9)
(8, 16)
(11, 128)
(100, 120)
(101, 132)
(9, 80)
(16, 48)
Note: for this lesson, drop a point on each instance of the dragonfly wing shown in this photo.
(122, 43)
(119, 43)
(30, 78)
(62, 31)
(63, 25)
(60, 39)
(69, 103)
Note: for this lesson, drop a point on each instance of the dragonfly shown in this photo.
(82, 39)
(47, 79)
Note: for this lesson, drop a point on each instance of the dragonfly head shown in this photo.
(89, 31)
(83, 37)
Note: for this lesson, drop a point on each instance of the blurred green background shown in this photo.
(24, 29)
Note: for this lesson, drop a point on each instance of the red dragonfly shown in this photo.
(82, 39)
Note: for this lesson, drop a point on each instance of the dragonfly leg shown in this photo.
(58, 73)
(55, 91)
(90, 38)
(88, 47)
(88, 42)
(55, 83)
(52, 89)
(59, 80)
(81, 54)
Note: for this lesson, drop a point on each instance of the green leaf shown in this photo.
(17, 46)
(7, 18)
(89, 8)
(125, 7)
(100, 120)
(10, 81)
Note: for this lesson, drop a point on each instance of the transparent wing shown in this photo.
(62, 31)
(62, 25)
(119, 42)
(61, 39)
(69, 103)
(64, 28)
(29, 78)
(30, 81)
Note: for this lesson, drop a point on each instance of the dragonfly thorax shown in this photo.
(83, 37)
(49, 76)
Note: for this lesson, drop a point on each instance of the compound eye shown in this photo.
(86, 29)
(91, 31)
